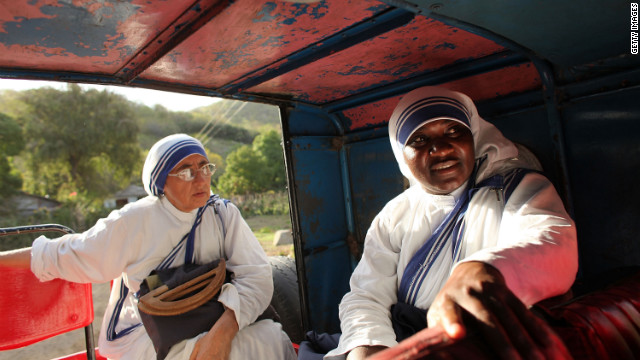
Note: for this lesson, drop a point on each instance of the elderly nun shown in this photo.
(478, 230)
(150, 234)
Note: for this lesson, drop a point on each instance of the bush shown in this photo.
(268, 203)
(76, 215)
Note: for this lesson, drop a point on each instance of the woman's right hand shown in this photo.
(216, 344)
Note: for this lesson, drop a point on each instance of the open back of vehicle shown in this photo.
(560, 77)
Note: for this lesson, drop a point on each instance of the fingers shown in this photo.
(194, 353)
(447, 314)
(504, 331)
(478, 291)
(550, 344)
(519, 330)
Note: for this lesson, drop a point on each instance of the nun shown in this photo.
(478, 231)
(151, 234)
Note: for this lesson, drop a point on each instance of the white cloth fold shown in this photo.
(531, 239)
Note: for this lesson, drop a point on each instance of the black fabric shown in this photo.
(166, 331)
(317, 345)
(407, 320)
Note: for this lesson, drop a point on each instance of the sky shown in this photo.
(171, 101)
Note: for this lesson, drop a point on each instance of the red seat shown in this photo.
(33, 311)
(603, 323)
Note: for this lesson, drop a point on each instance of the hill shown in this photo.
(250, 116)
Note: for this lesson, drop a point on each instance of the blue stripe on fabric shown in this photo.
(166, 263)
(451, 228)
(189, 256)
(430, 108)
(161, 165)
(169, 160)
(113, 321)
(420, 264)
(513, 179)
(429, 252)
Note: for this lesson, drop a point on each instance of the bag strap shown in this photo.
(452, 228)
(166, 263)
(166, 301)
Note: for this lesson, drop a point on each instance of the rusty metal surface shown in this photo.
(240, 49)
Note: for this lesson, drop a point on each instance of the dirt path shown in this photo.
(64, 344)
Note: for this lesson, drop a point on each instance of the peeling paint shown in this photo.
(97, 26)
(418, 47)
(249, 35)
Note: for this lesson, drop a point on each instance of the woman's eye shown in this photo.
(453, 131)
(417, 140)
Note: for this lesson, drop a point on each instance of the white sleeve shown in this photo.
(536, 250)
(97, 255)
(365, 317)
(251, 287)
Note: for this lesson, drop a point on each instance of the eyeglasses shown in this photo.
(189, 174)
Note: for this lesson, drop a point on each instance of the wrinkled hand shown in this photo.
(511, 330)
(216, 343)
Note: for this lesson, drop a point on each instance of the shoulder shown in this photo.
(140, 207)
(396, 209)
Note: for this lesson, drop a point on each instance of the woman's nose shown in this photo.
(439, 146)
(202, 177)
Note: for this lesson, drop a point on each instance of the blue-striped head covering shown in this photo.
(431, 103)
(425, 110)
(164, 156)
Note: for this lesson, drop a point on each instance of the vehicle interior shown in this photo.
(559, 77)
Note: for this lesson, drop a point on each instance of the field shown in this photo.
(264, 227)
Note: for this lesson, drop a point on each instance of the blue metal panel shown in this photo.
(604, 154)
(531, 129)
(307, 120)
(375, 179)
(323, 228)
(328, 275)
(565, 32)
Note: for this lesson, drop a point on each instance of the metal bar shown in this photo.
(35, 228)
(91, 346)
(194, 18)
(294, 212)
(555, 125)
(356, 34)
(450, 73)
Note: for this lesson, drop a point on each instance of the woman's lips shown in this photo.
(444, 165)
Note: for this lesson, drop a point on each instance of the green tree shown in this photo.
(78, 141)
(256, 168)
(11, 143)
(240, 176)
(267, 146)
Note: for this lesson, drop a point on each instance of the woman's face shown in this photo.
(440, 156)
(188, 195)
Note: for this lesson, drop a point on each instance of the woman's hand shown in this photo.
(510, 329)
(216, 344)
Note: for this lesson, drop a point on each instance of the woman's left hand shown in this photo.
(216, 344)
(510, 329)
